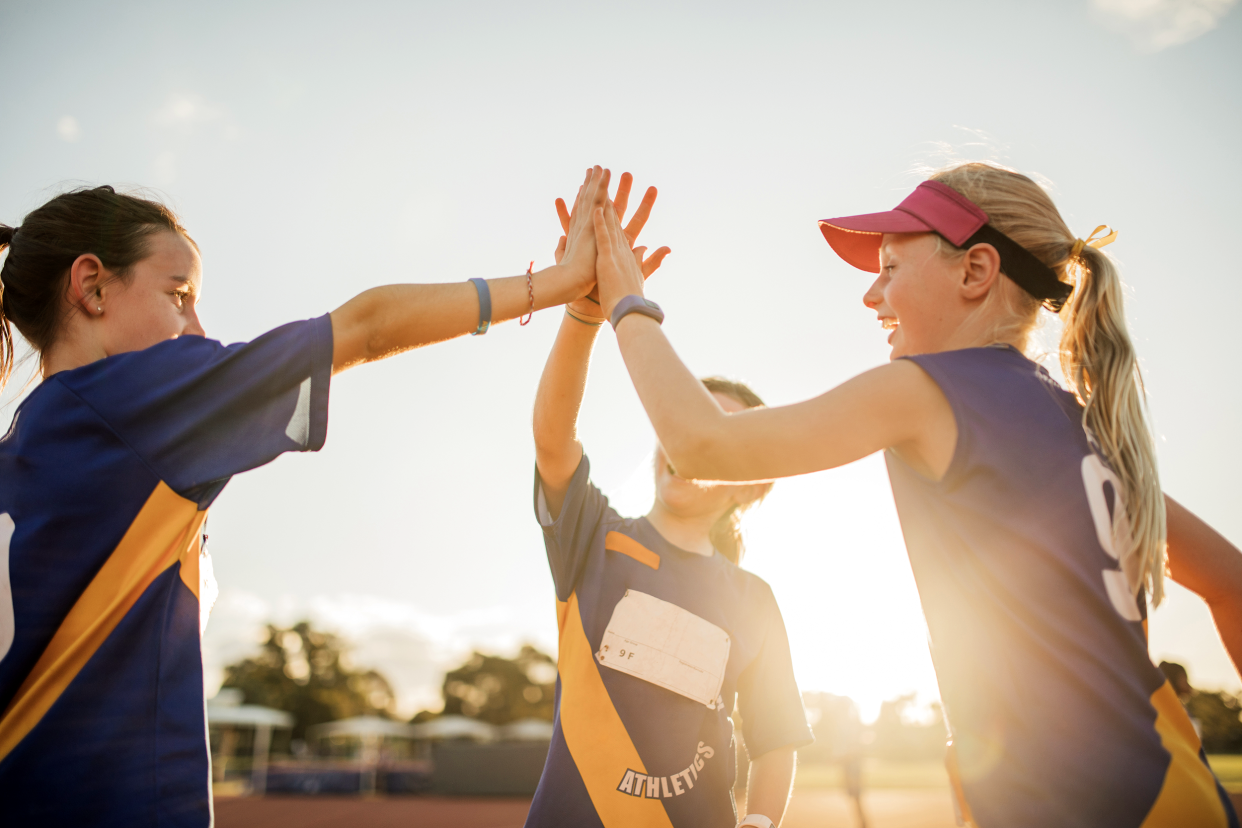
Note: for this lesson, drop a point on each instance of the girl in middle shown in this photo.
(660, 629)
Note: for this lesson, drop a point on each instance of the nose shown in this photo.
(193, 326)
(874, 294)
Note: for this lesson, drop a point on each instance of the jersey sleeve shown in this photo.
(198, 412)
(767, 693)
(569, 537)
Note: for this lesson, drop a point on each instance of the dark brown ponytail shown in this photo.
(726, 533)
(6, 332)
(113, 226)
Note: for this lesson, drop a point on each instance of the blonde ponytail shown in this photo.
(1098, 360)
(1097, 356)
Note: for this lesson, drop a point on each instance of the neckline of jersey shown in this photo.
(663, 540)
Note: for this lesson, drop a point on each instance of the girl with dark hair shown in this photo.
(661, 630)
(109, 468)
(1032, 513)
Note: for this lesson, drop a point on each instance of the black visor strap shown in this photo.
(1022, 266)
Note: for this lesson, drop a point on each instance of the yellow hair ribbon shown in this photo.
(1092, 241)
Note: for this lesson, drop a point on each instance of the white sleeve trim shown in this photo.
(7, 626)
(298, 429)
(541, 509)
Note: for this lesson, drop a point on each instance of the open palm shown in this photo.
(589, 304)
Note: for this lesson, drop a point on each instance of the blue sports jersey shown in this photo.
(106, 475)
(1057, 714)
(627, 752)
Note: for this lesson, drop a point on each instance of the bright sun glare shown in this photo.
(830, 547)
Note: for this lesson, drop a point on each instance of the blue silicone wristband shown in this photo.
(485, 306)
(636, 304)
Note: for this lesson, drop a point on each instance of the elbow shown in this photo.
(556, 452)
(547, 448)
(697, 457)
(357, 335)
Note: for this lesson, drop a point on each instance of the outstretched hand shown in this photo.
(619, 271)
(576, 251)
(589, 305)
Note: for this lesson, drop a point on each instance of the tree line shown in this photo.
(307, 672)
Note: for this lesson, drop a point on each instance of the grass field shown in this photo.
(880, 774)
(1228, 768)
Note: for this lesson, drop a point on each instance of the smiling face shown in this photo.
(916, 295)
(157, 301)
(692, 498)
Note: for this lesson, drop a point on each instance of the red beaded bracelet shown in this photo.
(530, 288)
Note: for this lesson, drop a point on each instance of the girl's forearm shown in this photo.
(770, 783)
(1228, 619)
(1204, 562)
(385, 321)
(557, 403)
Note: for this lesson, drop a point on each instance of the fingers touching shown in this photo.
(595, 221)
(594, 190)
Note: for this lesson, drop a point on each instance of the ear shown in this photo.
(86, 280)
(980, 270)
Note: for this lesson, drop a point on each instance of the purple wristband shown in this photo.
(636, 304)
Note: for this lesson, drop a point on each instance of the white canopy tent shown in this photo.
(455, 727)
(526, 730)
(225, 709)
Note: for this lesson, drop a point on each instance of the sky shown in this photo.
(315, 150)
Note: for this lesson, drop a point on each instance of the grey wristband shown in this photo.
(636, 304)
(485, 306)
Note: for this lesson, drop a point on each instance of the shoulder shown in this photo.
(177, 364)
(142, 367)
(993, 379)
(754, 591)
(989, 363)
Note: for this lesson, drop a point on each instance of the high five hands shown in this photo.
(591, 208)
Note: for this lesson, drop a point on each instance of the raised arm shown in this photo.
(557, 402)
(895, 406)
(559, 398)
(385, 321)
(1201, 560)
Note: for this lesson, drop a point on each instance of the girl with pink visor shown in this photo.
(1032, 513)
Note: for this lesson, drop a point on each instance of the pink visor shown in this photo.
(932, 208)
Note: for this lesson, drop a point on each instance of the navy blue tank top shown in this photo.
(1056, 712)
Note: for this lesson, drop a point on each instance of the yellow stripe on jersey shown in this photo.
(617, 542)
(165, 529)
(594, 733)
(190, 574)
(1189, 795)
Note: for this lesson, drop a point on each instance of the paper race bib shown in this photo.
(664, 644)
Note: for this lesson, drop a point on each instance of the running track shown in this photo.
(809, 809)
